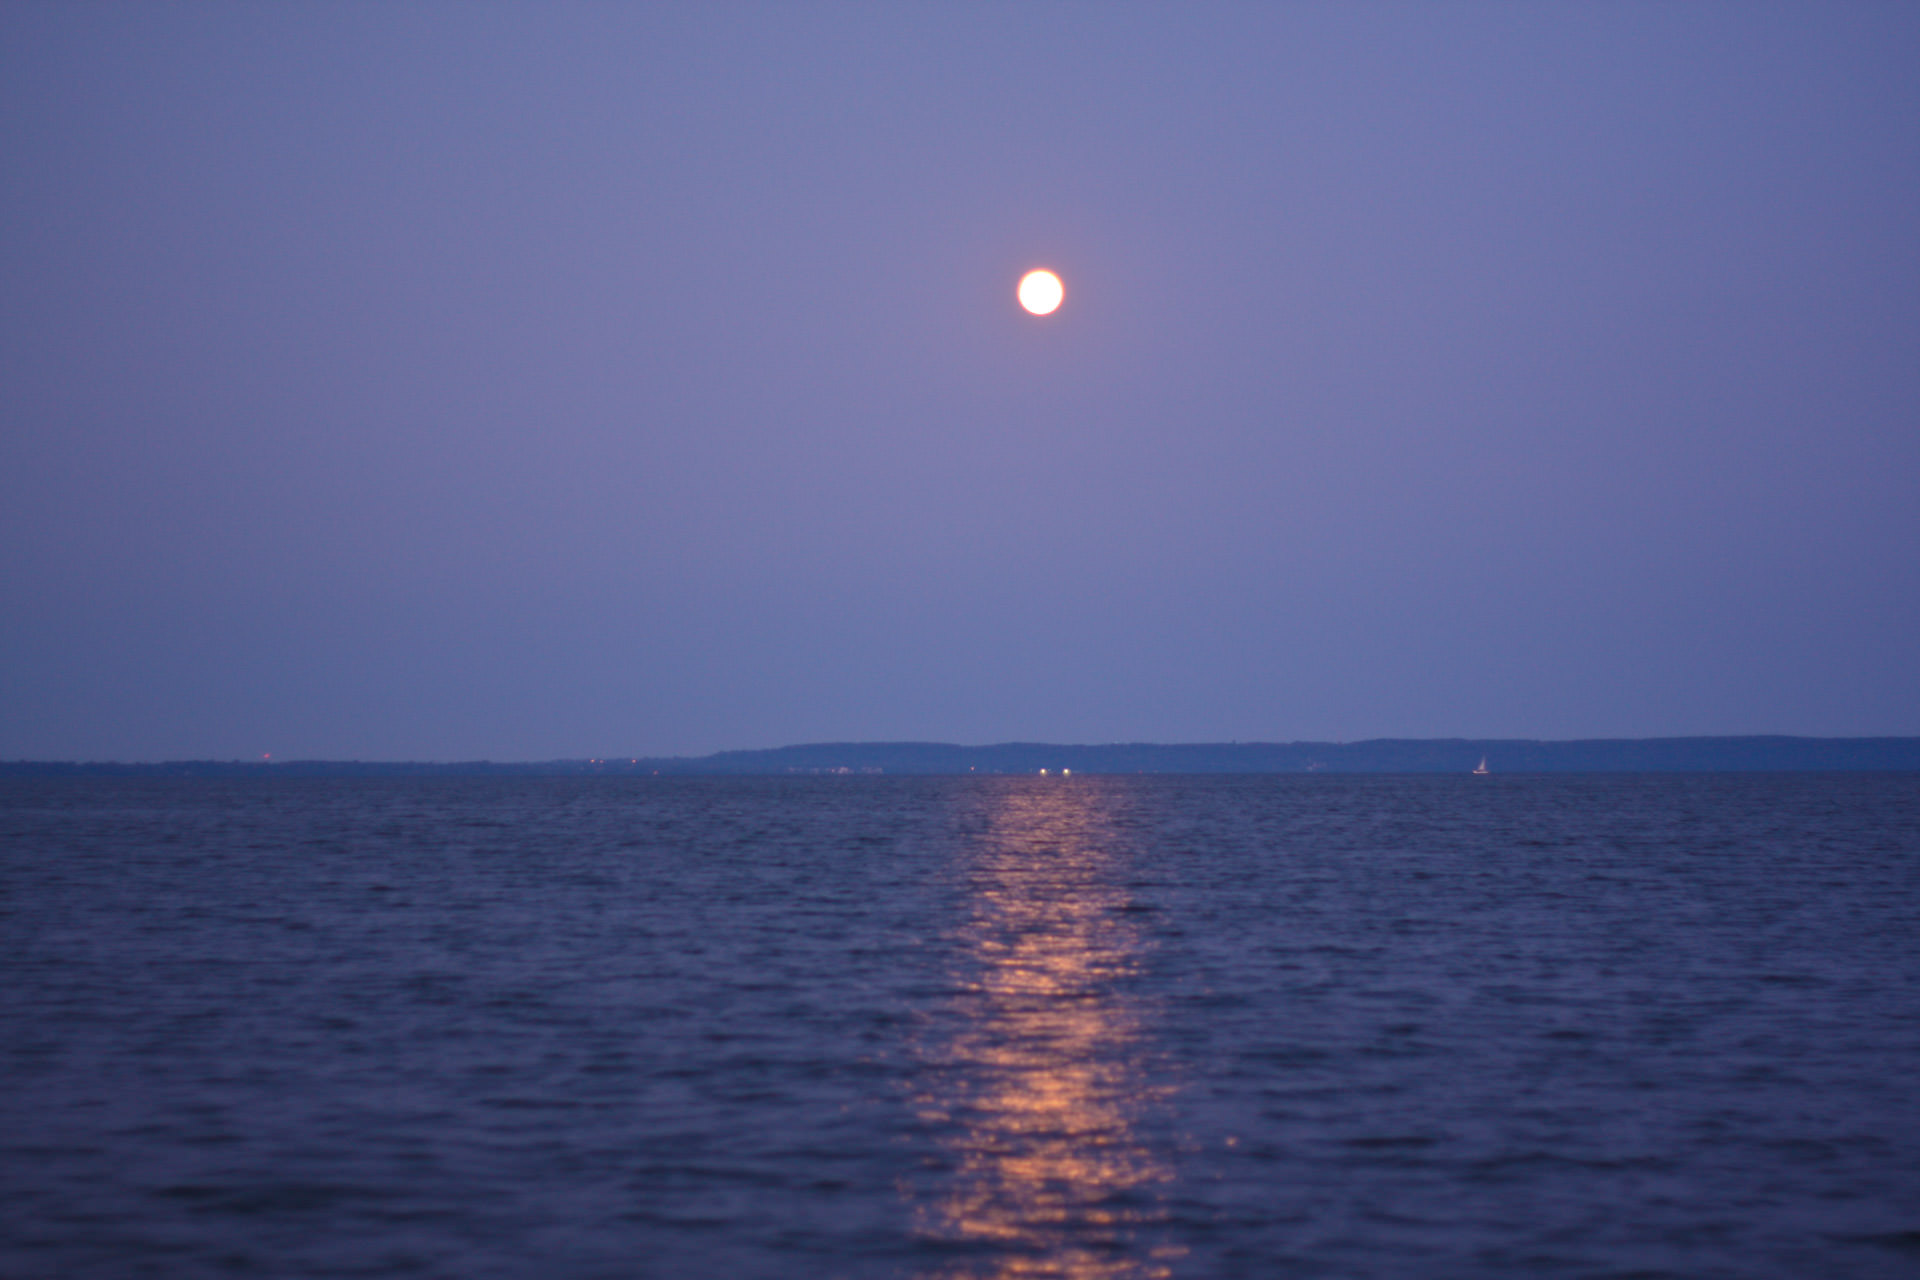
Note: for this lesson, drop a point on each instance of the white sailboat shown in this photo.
(1482, 766)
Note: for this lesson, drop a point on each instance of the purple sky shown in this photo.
(448, 381)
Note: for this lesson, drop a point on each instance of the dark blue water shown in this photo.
(1013, 1027)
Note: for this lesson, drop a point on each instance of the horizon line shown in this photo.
(1899, 743)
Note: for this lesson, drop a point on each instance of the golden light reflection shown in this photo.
(1043, 1088)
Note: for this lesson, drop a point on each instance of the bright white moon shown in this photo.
(1041, 292)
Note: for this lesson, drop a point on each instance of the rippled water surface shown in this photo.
(995, 1027)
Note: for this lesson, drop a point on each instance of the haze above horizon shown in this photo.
(453, 382)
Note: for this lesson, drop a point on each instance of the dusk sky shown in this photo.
(447, 381)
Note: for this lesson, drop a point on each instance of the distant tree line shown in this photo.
(1380, 755)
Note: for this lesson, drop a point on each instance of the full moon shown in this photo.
(1041, 292)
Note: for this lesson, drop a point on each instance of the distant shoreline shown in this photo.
(1756, 754)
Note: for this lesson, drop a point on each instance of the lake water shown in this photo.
(954, 1027)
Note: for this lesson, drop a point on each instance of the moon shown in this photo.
(1041, 292)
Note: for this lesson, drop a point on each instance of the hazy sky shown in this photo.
(453, 380)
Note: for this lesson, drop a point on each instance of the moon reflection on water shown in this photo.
(1043, 1083)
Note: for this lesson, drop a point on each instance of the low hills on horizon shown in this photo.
(1379, 755)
